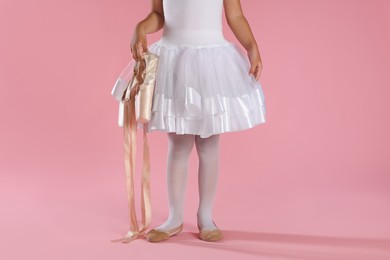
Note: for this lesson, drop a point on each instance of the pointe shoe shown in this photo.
(156, 235)
(210, 235)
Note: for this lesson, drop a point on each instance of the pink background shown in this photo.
(311, 183)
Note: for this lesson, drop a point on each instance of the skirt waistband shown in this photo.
(192, 37)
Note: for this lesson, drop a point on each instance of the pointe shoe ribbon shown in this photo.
(130, 134)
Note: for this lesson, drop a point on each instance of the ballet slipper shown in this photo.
(156, 235)
(210, 235)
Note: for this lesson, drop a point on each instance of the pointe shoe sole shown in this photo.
(156, 235)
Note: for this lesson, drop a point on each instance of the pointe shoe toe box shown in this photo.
(155, 235)
(210, 235)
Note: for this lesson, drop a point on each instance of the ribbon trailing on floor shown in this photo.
(130, 134)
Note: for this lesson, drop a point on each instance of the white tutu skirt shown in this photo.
(204, 90)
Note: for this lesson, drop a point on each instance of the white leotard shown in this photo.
(193, 22)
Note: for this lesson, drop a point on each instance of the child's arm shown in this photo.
(241, 29)
(152, 23)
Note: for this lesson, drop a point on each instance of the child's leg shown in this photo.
(179, 150)
(208, 153)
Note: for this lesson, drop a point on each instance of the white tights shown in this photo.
(179, 150)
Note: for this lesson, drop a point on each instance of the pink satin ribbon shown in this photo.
(130, 134)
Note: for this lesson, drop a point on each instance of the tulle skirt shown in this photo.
(204, 90)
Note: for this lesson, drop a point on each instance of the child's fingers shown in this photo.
(139, 50)
(258, 70)
(252, 70)
(255, 71)
(145, 47)
(134, 53)
(258, 74)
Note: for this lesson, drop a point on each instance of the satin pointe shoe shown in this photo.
(210, 235)
(155, 235)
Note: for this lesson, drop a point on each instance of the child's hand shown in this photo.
(138, 43)
(255, 61)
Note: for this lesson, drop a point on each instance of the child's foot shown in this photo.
(208, 231)
(157, 235)
(206, 223)
(170, 224)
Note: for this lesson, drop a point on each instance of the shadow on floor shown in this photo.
(292, 246)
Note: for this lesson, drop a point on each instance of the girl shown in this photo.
(204, 87)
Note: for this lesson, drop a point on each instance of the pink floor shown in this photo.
(72, 210)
